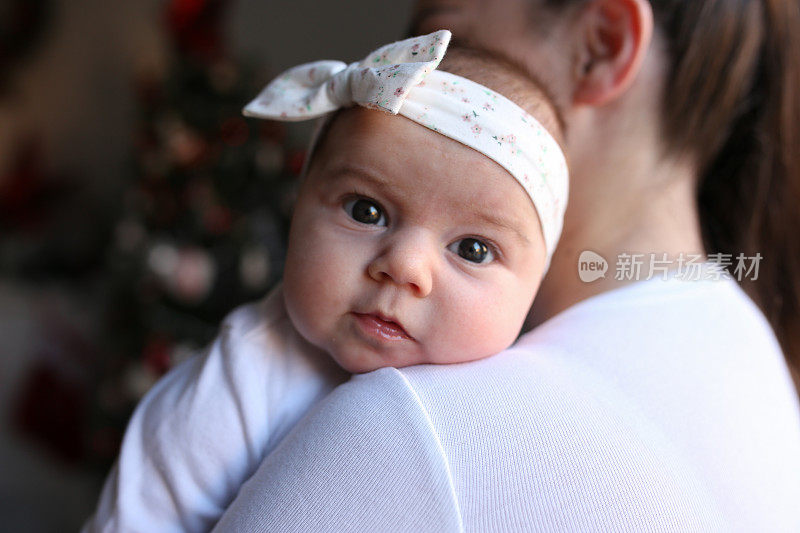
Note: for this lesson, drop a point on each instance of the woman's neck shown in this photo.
(659, 218)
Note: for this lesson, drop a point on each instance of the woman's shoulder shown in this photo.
(667, 386)
(586, 425)
(653, 322)
(369, 442)
(661, 317)
(677, 354)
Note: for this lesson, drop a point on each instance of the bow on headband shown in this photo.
(401, 78)
(381, 81)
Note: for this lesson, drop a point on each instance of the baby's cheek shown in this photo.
(473, 335)
(298, 304)
(496, 323)
(307, 288)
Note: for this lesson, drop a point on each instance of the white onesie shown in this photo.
(204, 428)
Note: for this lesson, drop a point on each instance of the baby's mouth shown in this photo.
(381, 326)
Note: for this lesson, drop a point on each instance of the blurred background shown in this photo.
(137, 208)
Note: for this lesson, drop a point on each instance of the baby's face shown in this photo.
(408, 247)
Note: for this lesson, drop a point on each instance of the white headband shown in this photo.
(400, 78)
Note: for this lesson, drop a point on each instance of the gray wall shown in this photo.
(291, 32)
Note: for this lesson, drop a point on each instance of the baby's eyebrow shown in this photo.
(342, 171)
(345, 170)
(504, 223)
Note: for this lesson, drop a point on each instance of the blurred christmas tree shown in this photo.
(201, 230)
(204, 220)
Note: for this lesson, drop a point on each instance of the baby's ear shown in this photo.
(612, 40)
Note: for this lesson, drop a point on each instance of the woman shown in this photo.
(635, 404)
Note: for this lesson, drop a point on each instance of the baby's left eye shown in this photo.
(365, 211)
(473, 250)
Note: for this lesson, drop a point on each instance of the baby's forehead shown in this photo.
(421, 172)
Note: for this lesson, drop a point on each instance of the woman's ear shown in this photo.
(613, 38)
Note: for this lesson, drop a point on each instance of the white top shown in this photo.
(664, 405)
(205, 427)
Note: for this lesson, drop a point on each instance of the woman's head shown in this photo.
(709, 107)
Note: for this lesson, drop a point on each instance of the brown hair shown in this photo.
(732, 100)
(504, 77)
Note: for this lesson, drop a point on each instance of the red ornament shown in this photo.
(156, 355)
(52, 409)
(234, 131)
(195, 26)
(295, 161)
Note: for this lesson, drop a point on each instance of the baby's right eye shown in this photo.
(365, 211)
(473, 250)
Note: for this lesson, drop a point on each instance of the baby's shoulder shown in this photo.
(260, 335)
(260, 315)
(262, 326)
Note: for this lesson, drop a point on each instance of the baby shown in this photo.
(419, 238)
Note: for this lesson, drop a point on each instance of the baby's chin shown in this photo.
(364, 362)
(361, 363)
(366, 359)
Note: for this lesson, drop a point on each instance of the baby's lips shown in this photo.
(383, 325)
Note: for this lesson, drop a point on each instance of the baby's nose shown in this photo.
(407, 261)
